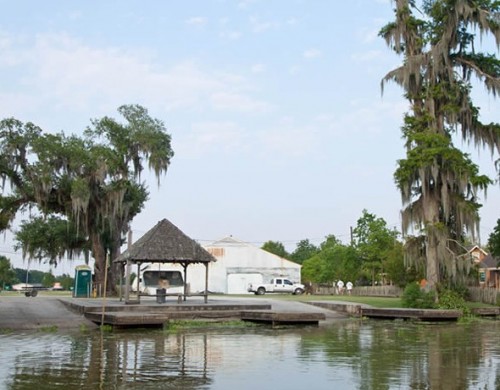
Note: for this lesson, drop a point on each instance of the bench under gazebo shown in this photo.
(164, 244)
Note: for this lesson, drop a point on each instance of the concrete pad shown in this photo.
(27, 313)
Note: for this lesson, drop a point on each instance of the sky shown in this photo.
(279, 127)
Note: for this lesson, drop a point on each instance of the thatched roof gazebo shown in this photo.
(165, 243)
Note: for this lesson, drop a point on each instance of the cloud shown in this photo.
(212, 137)
(246, 3)
(293, 70)
(259, 26)
(237, 102)
(198, 21)
(285, 141)
(231, 35)
(311, 53)
(258, 68)
(65, 74)
(368, 55)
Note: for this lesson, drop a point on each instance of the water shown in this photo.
(352, 354)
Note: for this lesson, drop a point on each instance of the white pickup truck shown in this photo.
(277, 285)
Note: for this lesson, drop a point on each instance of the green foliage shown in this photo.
(87, 189)
(415, 297)
(276, 248)
(7, 274)
(66, 281)
(304, 250)
(394, 266)
(48, 279)
(375, 243)
(106, 328)
(334, 261)
(180, 325)
(439, 183)
(494, 241)
(451, 299)
(311, 270)
(49, 329)
(50, 238)
(29, 276)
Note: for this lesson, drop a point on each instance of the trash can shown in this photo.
(160, 295)
(83, 281)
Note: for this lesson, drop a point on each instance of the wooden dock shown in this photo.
(486, 311)
(282, 318)
(160, 318)
(413, 314)
(121, 319)
(121, 316)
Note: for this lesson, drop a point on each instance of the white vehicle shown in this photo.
(277, 285)
(151, 280)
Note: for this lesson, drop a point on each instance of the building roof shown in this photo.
(230, 241)
(165, 243)
(489, 262)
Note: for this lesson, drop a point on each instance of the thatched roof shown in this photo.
(166, 243)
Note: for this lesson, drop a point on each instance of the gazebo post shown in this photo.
(138, 282)
(206, 282)
(185, 265)
(127, 281)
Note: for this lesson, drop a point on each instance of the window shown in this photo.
(153, 278)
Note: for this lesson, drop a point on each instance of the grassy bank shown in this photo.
(381, 302)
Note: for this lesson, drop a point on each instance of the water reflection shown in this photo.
(349, 355)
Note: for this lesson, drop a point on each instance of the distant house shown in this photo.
(489, 272)
(477, 253)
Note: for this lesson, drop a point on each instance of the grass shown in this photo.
(49, 329)
(379, 302)
(177, 325)
(373, 301)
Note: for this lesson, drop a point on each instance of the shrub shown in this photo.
(414, 297)
(451, 299)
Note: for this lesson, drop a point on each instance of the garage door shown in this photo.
(238, 283)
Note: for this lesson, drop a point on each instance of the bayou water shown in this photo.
(350, 354)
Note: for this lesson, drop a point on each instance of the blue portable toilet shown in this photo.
(83, 282)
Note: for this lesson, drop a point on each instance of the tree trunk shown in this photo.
(99, 254)
(115, 269)
(431, 207)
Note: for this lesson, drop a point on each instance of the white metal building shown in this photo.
(238, 264)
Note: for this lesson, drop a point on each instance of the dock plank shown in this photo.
(420, 314)
(159, 318)
(275, 317)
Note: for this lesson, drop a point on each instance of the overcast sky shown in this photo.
(278, 125)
